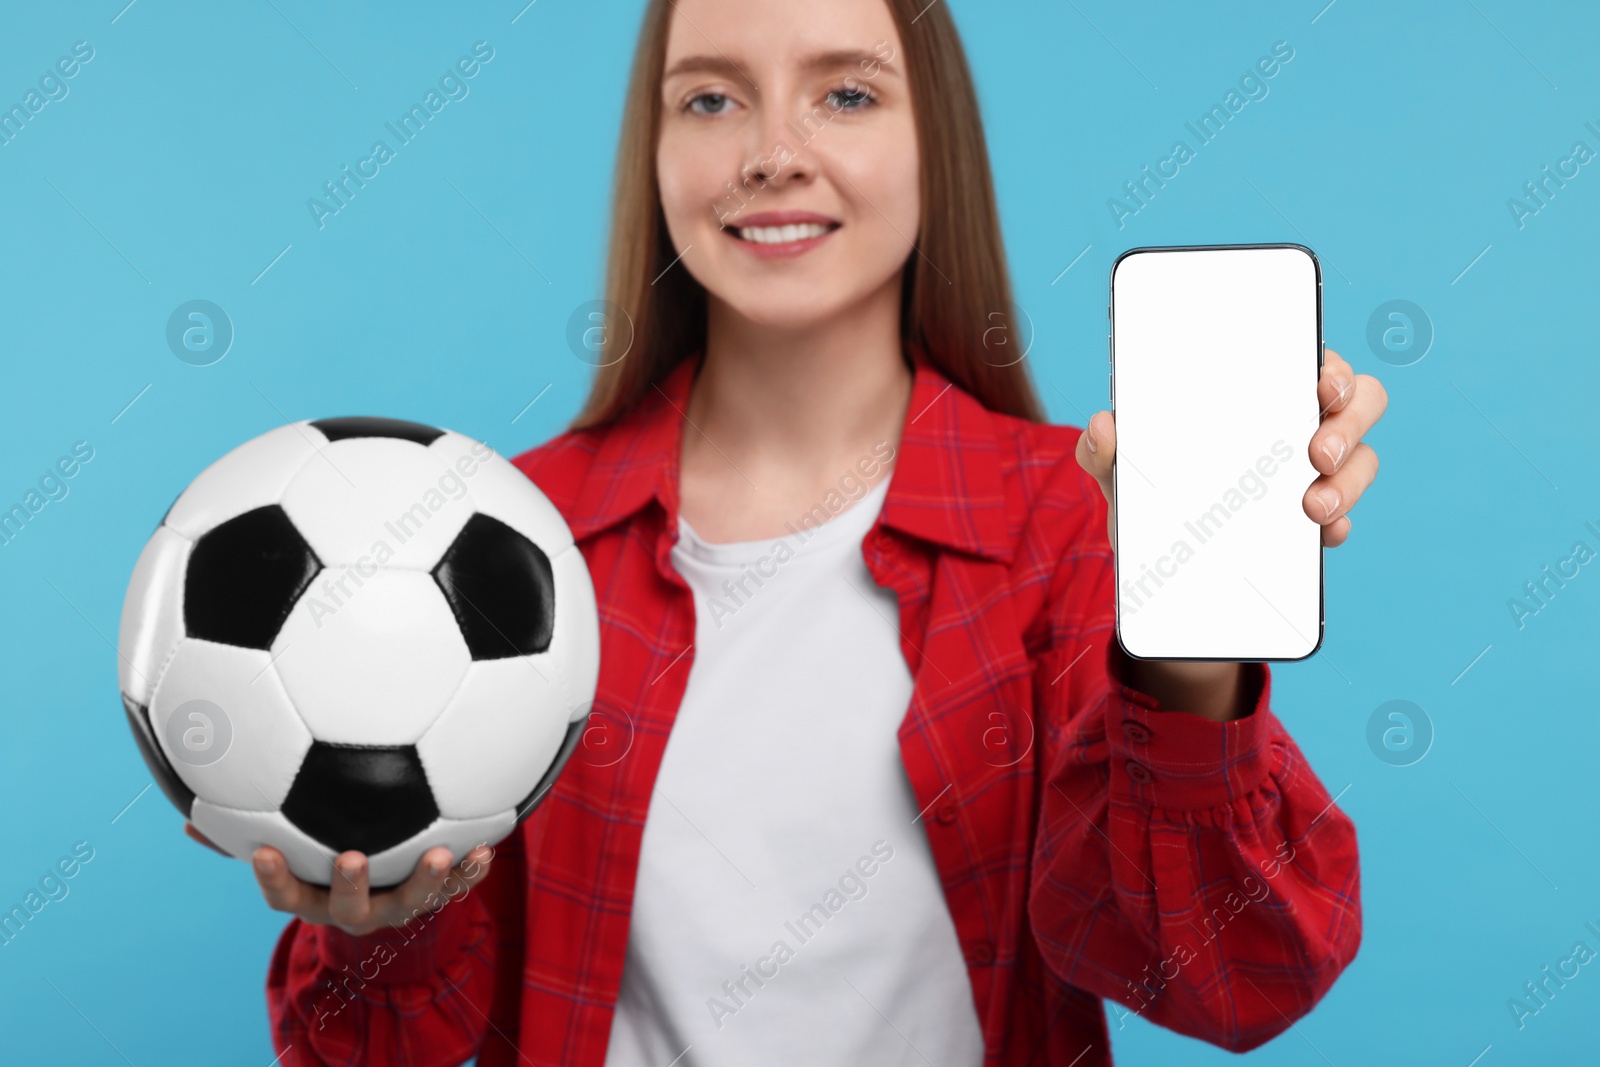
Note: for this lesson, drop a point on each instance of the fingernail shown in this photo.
(1342, 384)
(1333, 448)
(435, 867)
(265, 865)
(1330, 501)
(351, 867)
(1088, 439)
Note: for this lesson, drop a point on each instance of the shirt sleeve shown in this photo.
(1194, 873)
(416, 995)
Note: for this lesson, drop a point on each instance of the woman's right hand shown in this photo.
(348, 903)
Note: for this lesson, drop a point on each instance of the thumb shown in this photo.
(1097, 448)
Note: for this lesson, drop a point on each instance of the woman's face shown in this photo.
(788, 154)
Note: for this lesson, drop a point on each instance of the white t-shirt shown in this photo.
(787, 909)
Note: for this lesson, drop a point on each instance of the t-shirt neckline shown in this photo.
(852, 523)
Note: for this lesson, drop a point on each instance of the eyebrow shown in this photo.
(721, 64)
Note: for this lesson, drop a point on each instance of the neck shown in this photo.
(830, 389)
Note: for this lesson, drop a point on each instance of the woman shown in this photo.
(916, 806)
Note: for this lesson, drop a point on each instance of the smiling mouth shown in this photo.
(782, 235)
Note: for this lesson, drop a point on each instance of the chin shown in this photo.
(787, 307)
(792, 300)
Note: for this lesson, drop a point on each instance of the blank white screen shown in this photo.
(1215, 358)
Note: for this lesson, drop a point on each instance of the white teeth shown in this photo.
(776, 235)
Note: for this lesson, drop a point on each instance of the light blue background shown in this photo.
(1390, 143)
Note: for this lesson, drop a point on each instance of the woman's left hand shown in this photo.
(1351, 403)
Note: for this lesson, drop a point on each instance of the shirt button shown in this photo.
(946, 813)
(979, 953)
(1136, 732)
(1138, 771)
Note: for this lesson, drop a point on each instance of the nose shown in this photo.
(775, 155)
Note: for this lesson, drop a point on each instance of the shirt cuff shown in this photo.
(417, 952)
(1176, 759)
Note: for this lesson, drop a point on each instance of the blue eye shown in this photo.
(709, 104)
(849, 99)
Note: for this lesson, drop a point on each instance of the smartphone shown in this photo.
(1216, 352)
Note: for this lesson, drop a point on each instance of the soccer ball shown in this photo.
(358, 633)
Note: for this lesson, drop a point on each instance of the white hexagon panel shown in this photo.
(240, 833)
(460, 836)
(152, 616)
(503, 727)
(375, 663)
(252, 475)
(498, 490)
(225, 723)
(378, 501)
(576, 643)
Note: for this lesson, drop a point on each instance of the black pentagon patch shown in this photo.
(542, 790)
(182, 796)
(367, 426)
(244, 577)
(501, 588)
(366, 798)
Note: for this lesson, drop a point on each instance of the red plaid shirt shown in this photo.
(1091, 845)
